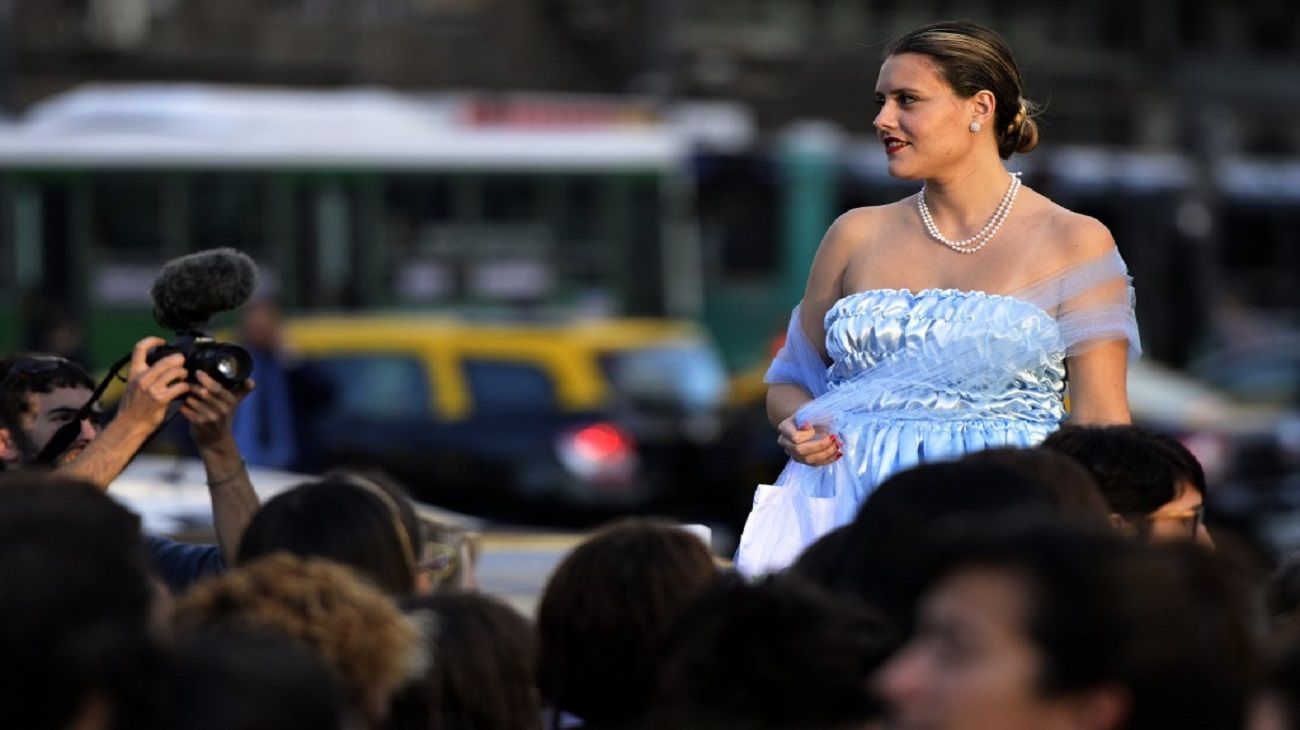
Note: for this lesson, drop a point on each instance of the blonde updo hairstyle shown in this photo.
(972, 58)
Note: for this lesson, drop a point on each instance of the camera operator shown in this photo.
(41, 393)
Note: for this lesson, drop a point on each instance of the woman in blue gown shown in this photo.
(945, 322)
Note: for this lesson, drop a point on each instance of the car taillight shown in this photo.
(601, 453)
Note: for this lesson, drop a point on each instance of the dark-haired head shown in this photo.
(604, 615)
(877, 554)
(341, 521)
(1148, 479)
(1058, 620)
(253, 681)
(1276, 705)
(972, 58)
(77, 598)
(778, 654)
(1070, 486)
(481, 667)
(35, 392)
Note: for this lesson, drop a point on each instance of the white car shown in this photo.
(171, 495)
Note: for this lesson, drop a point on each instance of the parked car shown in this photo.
(532, 421)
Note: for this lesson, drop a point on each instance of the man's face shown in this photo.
(46, 413)
(1181, 518)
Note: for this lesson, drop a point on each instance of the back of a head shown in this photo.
(1136, 470)
(392, 493)
(1070, 486)
(1277, 705)
(780, 654)
(604, 614)
(1162, 622)
(896, 524)
(74, 620)
(340, 521)
(319, 605)
(222, 680)
(822, 562)
(481, 673)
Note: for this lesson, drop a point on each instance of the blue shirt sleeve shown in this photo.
(181, 564)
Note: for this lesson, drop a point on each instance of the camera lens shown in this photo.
(228, 364)
(228, 367)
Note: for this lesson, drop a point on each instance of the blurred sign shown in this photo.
(534, 113)
(124, 284)
(512, 279)
(424, 281)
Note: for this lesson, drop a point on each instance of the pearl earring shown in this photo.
(974, 127)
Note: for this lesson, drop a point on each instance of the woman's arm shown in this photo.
(823, 289)
(1098, 385)
(1099, 373)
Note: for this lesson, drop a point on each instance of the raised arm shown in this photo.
(210, 409)
(149, 390)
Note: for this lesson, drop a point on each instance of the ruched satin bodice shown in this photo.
(947, 354)
(927, 376)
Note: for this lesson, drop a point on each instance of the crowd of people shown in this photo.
(941, 553)
(1069, 585)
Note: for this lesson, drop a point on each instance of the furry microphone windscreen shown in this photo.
(191, 289)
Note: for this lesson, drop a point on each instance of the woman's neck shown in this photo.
(962, 202)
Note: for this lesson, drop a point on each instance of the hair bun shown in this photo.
(1021, 135)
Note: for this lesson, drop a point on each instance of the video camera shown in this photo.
(188, 292)
(186, 295)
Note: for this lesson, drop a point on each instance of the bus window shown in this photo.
(511, 198)
(127, 239)
(229, 209)
(126, 216)
(414, 207)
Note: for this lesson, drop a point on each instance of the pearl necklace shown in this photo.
(977, 241)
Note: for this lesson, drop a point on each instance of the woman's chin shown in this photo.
(902, 170)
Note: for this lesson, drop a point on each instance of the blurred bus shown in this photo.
(347, 199)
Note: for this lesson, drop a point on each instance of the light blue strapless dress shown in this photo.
(927, 376)
(983, 403)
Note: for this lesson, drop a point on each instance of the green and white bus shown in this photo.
(347, 199)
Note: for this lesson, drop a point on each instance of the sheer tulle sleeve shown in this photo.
(1092, 302)
(798, 362)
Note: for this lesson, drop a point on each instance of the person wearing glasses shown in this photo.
(41, 396)
(1154, 486)
(1048, 625)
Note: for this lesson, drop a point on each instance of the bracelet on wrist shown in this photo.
(243, 469)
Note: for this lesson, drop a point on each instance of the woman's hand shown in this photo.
(807, 445)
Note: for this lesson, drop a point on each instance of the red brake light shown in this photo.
(600, 453)
(602, 442)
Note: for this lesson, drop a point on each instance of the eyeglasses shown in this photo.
(439, 560)
(1194, 517)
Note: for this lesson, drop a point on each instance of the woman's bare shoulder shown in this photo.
(857, 227)
(1076, 237)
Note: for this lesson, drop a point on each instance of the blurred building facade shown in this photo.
(1209, 82)
(1111, 72)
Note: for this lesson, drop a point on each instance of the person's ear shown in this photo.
(9, 452)
(983, 106)
(1121, 525)
(1104, 708)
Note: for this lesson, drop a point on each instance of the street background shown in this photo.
(639, 163)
